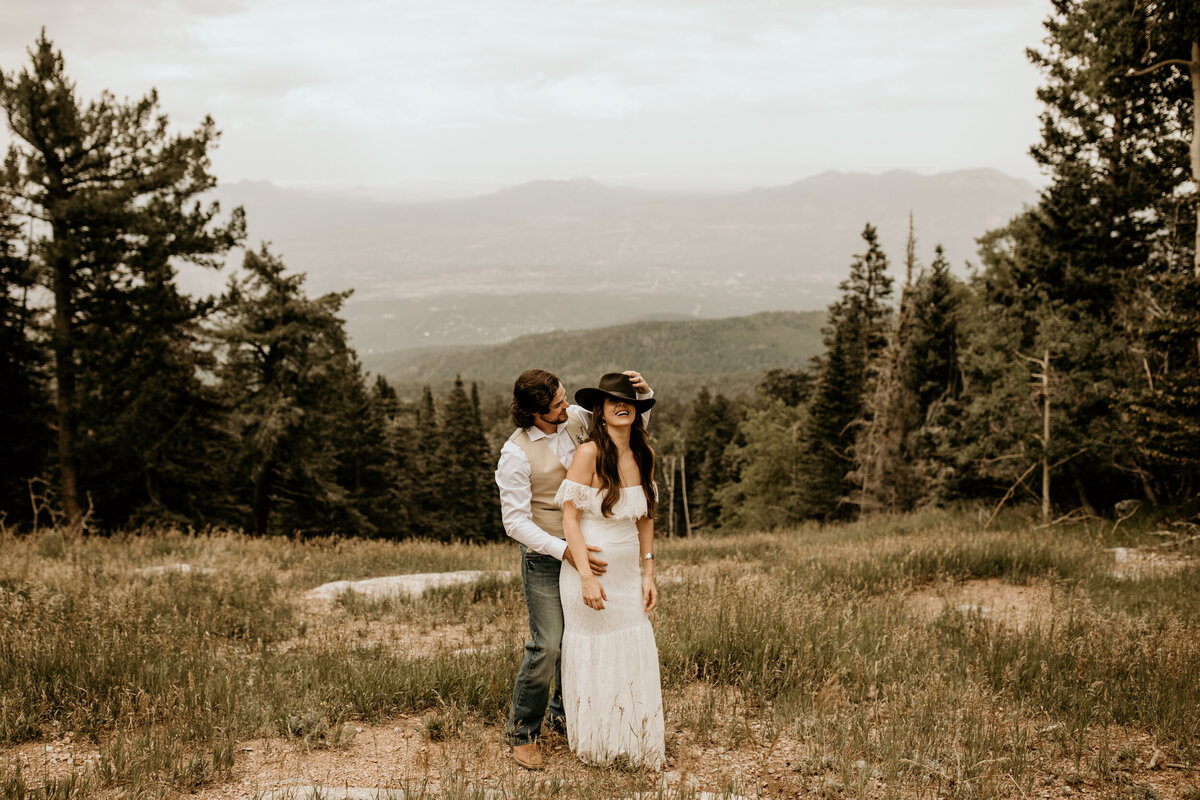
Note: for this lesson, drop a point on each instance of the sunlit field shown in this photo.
(911, 656)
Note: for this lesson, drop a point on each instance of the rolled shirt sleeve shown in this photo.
(513, 476)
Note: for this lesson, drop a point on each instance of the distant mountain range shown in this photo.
(553, 255)
(728, 355)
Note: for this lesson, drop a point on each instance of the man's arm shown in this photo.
(516, 512)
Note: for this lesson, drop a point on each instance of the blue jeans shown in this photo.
(539, 669)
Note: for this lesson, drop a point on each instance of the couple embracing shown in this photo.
(577, 491)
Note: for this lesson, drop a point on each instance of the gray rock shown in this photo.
(396, 585)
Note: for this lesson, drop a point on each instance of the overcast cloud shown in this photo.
(642, 92)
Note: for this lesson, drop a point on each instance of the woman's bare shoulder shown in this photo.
(583, 464)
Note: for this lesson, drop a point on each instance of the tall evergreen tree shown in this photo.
(434, 495)
(930, 360)
(765, 464)
(883, 475)
(469, 491)
(115, 196)
(394, 511)
(24, 433)
(1163, 412)
(932, 380)
(712, 424)
(1070, 276)
(285, 374)
(855, 337)
(372, 456)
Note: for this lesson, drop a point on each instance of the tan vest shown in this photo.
(546, 474)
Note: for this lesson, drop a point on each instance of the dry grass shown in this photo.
(911, 656)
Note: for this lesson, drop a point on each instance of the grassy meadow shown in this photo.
(841, 661)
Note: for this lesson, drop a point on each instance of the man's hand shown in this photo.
(639, 383)
(598, 567)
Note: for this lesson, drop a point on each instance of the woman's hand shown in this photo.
(649, 593)
(593, 592)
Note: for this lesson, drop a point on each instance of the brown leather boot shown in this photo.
(528, 755)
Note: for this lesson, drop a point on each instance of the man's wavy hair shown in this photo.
(532, 394)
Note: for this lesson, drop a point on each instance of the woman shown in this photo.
(610, 679)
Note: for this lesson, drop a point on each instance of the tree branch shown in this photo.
(1176, 62)
(1010, 492)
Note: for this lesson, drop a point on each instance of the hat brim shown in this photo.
(589, 397)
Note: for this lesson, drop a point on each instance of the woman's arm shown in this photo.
(581, 471)
(645, 527)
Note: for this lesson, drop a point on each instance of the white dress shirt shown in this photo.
(513, 476)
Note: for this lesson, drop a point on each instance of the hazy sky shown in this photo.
(672, 93)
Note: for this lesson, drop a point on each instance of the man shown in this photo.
(533, 463)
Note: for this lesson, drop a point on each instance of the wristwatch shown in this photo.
(648, 557)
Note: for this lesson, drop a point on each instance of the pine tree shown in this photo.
(791, 387)
(883, 475)
(1164, 411)
(1071, 276)
(469, 492)
(115, 194)
(711, 426)
(930, 361)
(24, 433)
(396, 517)
(827, 457)
(285, 374)
(765, 465)
(374, 456)
(435, 498)
(931, 375)
(855, 337)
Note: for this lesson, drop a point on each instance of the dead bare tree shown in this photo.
(1041, 388)
(687, 516)
(878, 453)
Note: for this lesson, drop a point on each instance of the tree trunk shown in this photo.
(1046, 436)
(1084, 500)
(1194, 69)
(64, 390)
(687, 516)
(670, 470)
(263, 484)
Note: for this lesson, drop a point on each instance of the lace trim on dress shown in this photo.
(631, 505)
(585, 498)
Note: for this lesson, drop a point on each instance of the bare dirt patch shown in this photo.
(1013, 605)
(403, 638)
(1132, 563)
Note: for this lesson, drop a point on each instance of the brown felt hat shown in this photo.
(616, 385)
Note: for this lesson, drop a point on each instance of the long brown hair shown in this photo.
(607, 461)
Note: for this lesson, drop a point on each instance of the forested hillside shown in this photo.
(1064, 370)
(679, 356)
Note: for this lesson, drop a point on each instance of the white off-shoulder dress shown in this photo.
(611, 689)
